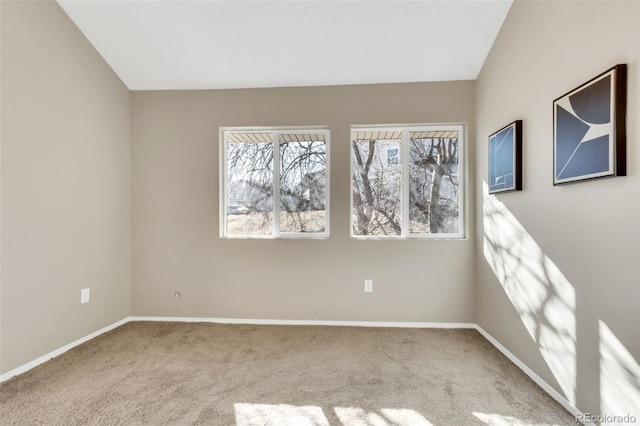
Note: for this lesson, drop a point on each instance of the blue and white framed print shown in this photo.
(505, 159)
(589, 139)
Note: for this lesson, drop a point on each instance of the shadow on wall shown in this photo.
(546, 303)
(542, 296)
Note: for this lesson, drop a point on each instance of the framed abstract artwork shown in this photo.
(589, 139)
(505, 159)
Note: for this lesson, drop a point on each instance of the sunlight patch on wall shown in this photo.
(279, 414)
(540, 293)
(619, 378)
(387, 417)
(499, 420)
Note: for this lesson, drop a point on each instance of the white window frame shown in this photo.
(404, 196)
(277, 132)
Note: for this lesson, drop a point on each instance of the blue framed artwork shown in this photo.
(589, 139)
(505, 159)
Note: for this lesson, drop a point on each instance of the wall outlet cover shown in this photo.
(85, 295)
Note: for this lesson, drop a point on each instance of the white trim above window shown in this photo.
(274, 182)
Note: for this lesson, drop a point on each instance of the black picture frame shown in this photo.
(505, 159)
(589, 129)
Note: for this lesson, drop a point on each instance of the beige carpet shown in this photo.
(156, 373)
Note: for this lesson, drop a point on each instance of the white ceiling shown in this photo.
(200, 44)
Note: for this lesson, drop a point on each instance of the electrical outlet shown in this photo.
(85, 295)
(368, 286)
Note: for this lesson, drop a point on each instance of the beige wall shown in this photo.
(65, 185)
(581, 240)
(176, 244)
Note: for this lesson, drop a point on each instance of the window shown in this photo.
(407, 182)
(274, 183)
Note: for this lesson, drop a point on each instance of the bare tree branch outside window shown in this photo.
(376, 187)
(250, 183)
(432, 182)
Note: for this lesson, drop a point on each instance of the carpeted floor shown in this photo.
(157, 373)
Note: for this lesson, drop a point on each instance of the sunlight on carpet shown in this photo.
(279, 414)
(292, 415)
(498, 420)
(350, 416)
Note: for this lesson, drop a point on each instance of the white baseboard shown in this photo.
(385, 324)
(44, 358)
(379, 324)
(532, 374)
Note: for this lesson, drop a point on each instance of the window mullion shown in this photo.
(405, 185)
(327, 181)
(276, 184)
(223, 185)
